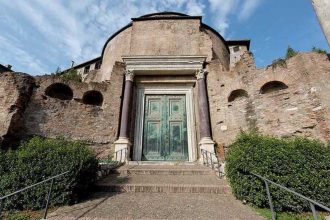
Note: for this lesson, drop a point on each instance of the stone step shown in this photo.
(163, 188)
(164, 184)
(162, 170)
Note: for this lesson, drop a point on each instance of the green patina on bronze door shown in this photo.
(165, 128)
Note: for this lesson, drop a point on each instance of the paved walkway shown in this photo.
(157, 206)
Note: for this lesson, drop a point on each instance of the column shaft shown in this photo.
(204, 117)
(126, 109)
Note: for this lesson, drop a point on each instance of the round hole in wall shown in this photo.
(237, 95)
(59, 91)
(93, 97)
(272, 86)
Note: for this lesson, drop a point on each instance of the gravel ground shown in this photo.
(157, 206)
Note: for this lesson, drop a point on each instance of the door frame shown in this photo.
(186, 90)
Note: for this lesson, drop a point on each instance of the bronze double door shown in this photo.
(165, 128)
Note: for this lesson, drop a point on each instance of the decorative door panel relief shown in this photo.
(165, 128)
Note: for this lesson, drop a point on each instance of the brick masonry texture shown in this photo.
(98, 125)
(302, 109)
(15, 92)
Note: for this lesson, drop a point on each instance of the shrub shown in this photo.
(290, 52)
(39, 159)
(71, 75)
(319, 50)
(299, 164)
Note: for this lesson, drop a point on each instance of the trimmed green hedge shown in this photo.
(299, 164)
(39, 159)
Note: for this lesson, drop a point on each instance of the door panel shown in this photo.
(165, 128)
(152, 134)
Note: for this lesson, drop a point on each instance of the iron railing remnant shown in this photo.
(122, 156)
(211, 160)
(312, 203)
(51, 179)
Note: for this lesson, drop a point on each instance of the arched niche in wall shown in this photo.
(272, 86)
(59, 91)
(237, 94)
(93, 97)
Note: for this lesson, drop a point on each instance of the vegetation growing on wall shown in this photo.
(290, 52)
(71, 75)
(39, 159)
(299, 164)
(281, 62)
(319, 50)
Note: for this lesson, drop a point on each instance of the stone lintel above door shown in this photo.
(164, 65)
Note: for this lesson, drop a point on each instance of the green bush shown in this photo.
(39, 159)
(299, 164)
(71, 75)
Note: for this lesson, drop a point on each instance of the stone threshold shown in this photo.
(172, 163)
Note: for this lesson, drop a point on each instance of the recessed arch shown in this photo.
(93, 97)
(237, 94)
(59, 91)
(272, 86)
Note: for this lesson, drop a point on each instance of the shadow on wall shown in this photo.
(93, 97)
(237, 95)
(272, 86)
(59, 91)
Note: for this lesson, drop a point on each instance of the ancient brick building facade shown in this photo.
(165, 86)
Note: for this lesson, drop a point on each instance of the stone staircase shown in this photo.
(150, 191)
(149, 178)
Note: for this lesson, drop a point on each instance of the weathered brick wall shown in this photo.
(98, 125)
(163, 37)
(15, 92)
(115, 49)
(301, 109)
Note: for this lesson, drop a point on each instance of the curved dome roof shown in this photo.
(160, 15)
(165, 13)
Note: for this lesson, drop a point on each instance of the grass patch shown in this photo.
(266, 213)
(26, 214)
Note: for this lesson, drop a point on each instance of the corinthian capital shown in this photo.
(200, 74)
(129, 75)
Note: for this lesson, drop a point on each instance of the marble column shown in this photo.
(123, 144)
(206, 142)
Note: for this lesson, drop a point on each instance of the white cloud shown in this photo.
(249, 6)
(195, 7)
(20, 56)
(221, 10)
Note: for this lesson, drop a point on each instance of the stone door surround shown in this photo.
(169, 66)
(144, 90)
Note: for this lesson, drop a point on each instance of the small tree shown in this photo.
(290, 52)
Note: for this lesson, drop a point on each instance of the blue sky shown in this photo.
(37, 36)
